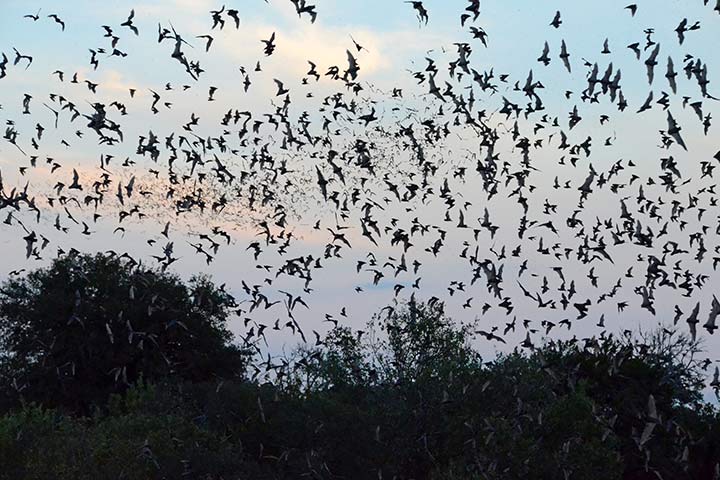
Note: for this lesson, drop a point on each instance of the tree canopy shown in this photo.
(88, 326)
(407, 397)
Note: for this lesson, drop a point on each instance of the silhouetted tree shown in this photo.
(88, 326)
(408, 399)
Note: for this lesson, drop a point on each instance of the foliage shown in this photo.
(41, 444)
(89, 326)
(409, 398)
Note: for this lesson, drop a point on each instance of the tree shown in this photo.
(620, 375)
(423, 345)
(88, 326)
(408, 399)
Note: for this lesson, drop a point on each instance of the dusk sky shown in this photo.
(396, 46)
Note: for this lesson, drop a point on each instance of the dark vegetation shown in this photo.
(110, 370)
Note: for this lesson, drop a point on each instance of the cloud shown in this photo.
(323, 45)
(189, 8)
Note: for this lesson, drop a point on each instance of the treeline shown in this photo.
(111, 370)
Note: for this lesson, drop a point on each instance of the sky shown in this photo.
(396, 45)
